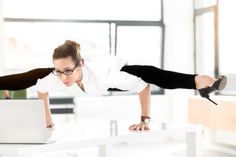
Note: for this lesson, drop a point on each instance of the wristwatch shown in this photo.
(145, 119)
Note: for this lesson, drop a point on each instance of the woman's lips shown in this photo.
(66, 83)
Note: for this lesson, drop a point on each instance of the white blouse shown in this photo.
(99, 74)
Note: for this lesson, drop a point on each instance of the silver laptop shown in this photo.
(22, 121)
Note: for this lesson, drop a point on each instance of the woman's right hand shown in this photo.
(139, 127)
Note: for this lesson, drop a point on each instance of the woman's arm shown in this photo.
(145, 101)
(125, 81)
(45, 98)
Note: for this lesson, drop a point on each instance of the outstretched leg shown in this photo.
(172, 80)
(23, 80)
(162, 78)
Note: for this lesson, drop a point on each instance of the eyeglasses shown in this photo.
(65, 72)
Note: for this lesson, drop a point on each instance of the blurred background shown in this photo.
(190, 36)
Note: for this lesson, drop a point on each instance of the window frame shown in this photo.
(113, 25)
(199, 12)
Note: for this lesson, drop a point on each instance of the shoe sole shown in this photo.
(222, 83)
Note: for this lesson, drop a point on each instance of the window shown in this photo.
(204, 42)
(206, 37)
(227, 33)
(142, 10)
(26, 42)
(140, 45)
(32, 30)
(214, 43)
(199, 4)
(227, 49)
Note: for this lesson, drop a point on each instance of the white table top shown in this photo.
(74, 134)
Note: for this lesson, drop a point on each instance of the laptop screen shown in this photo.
(22, 121)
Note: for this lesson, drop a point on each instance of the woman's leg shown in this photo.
(23, 80)
(172, 80)
(162, 78)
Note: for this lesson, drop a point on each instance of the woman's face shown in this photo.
(67, 71)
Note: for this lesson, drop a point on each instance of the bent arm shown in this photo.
(45, 98)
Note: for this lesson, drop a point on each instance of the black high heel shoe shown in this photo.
(219, 84)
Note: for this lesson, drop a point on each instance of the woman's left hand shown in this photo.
(139, 127)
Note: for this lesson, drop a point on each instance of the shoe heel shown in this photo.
(208, 98)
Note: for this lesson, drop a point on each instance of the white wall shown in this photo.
(178, 18)
(1, 38)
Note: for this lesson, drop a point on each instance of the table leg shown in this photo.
(106, 150)
(194, 143)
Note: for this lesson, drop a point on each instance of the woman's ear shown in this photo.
(81, 63)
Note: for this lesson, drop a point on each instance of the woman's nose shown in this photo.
(63, 76)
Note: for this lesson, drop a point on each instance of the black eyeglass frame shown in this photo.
(66, 72)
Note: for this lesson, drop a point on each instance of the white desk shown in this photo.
(66, 140)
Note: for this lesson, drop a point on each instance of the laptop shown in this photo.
(22, 121)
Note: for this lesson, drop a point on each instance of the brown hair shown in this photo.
(68, 49)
